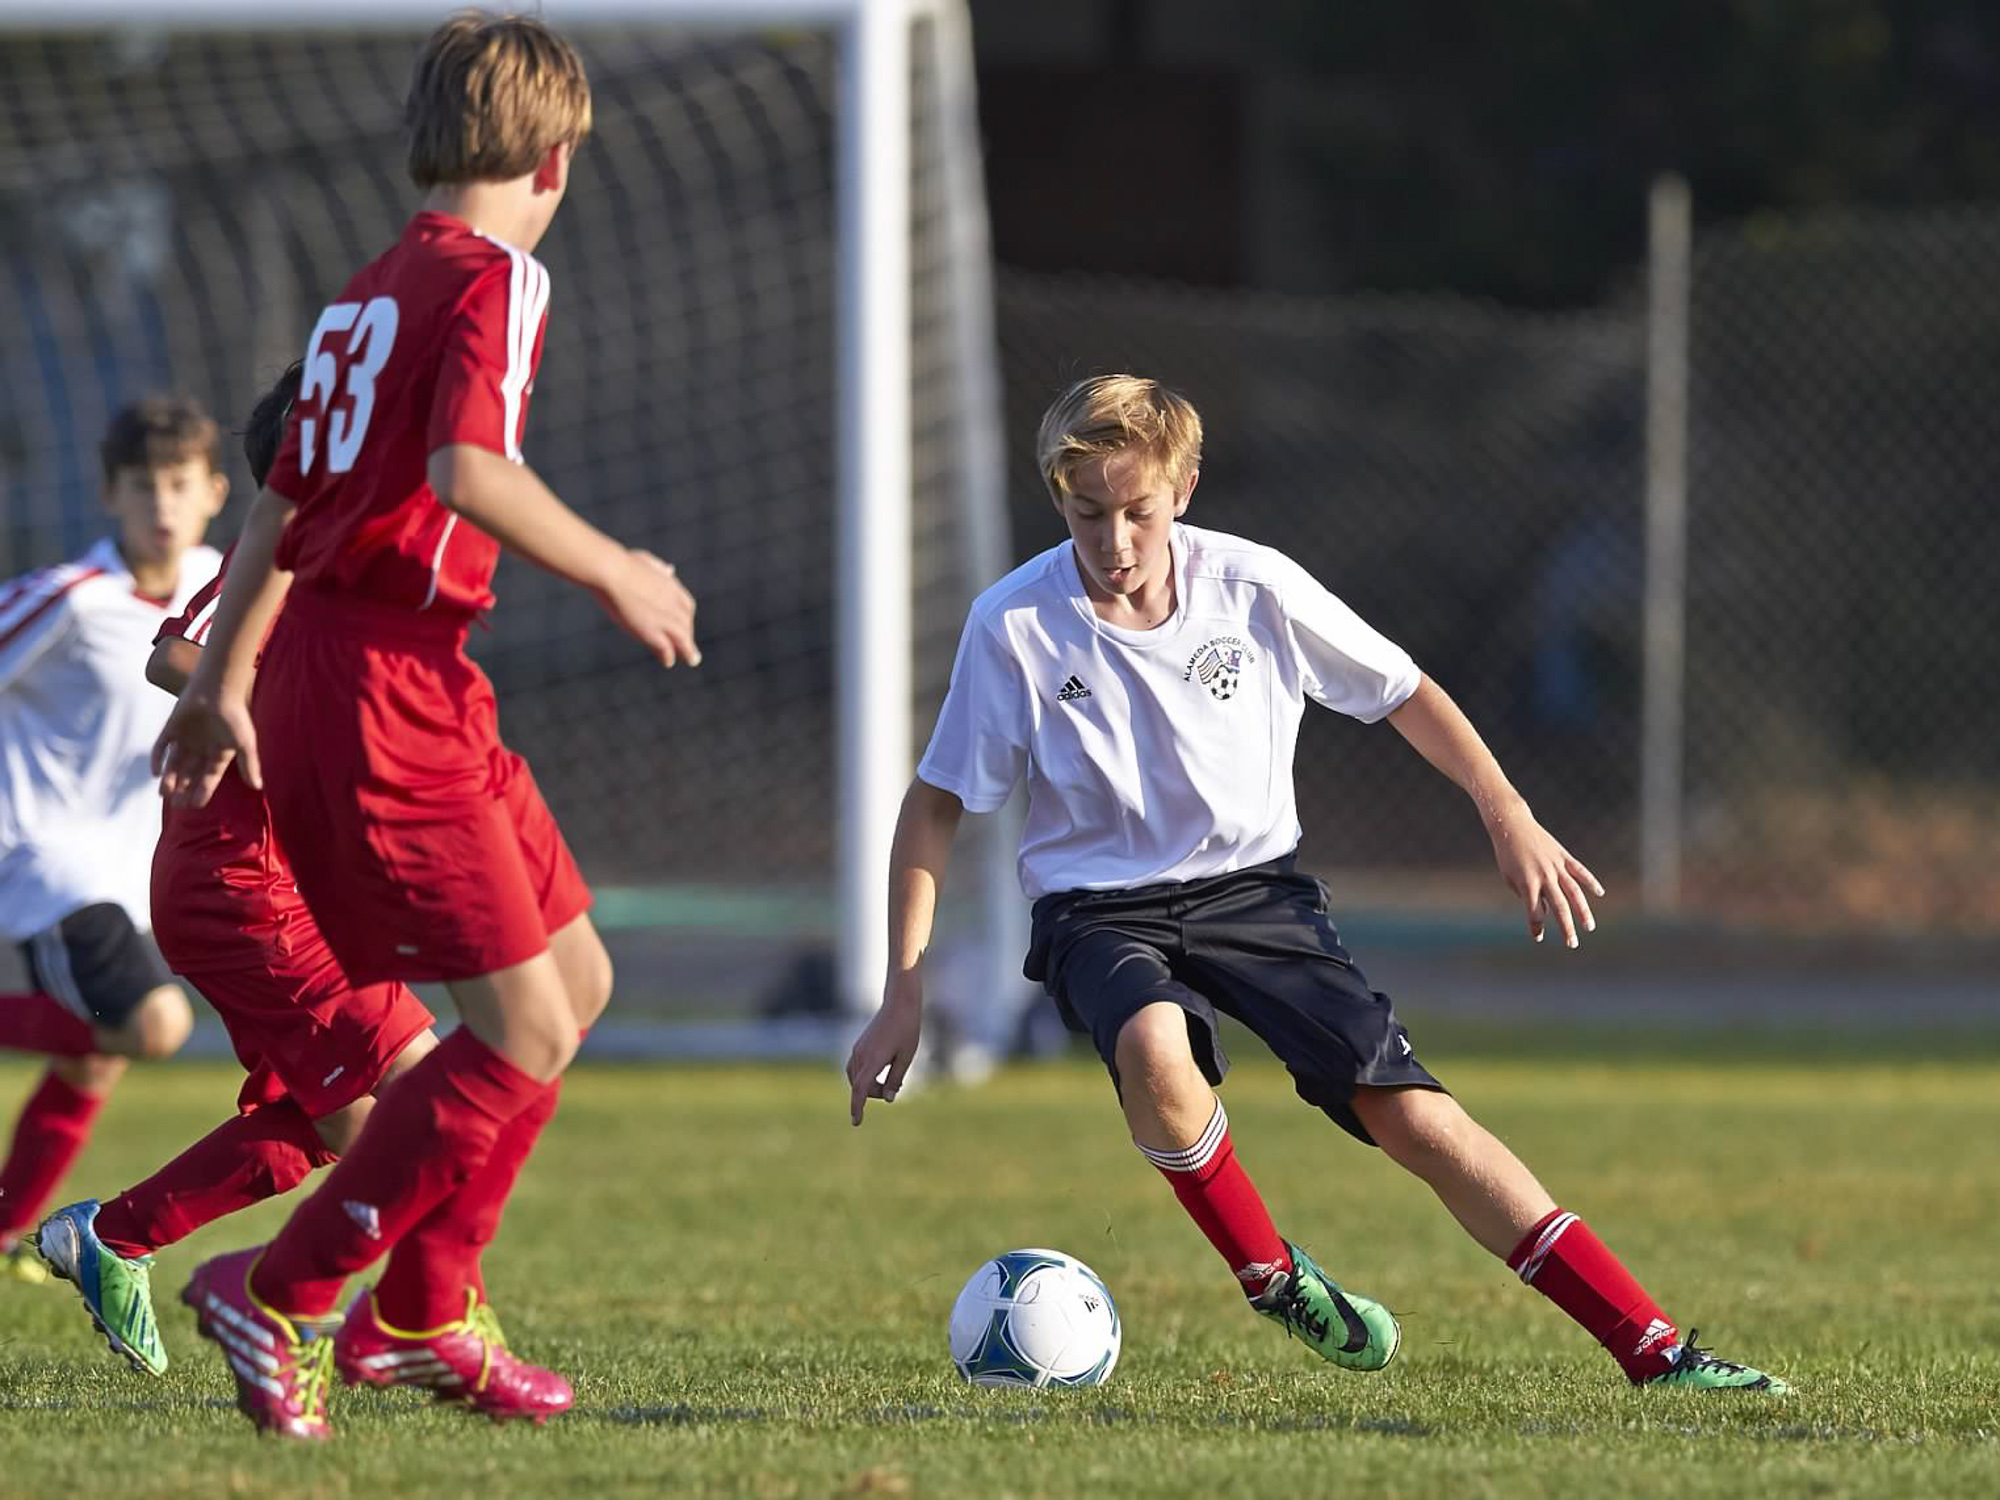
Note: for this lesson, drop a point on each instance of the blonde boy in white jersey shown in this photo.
(78, 811)
(1148, 679)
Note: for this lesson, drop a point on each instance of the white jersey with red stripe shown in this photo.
(79, 809)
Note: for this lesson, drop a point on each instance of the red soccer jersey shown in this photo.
(433, 343)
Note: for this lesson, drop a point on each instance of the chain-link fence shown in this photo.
(1471, 480)
(172, 208)
(1843, 745)
(175, 205)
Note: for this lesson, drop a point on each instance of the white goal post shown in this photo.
(877, 45)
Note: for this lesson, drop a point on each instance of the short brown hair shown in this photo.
(156, 431)
(1106, 414)
(489, 96)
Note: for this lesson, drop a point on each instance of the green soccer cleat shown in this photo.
(118, 1292)
(18, 1262)
(1350, 1331)
(1695, 1369)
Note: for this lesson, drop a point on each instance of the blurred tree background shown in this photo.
(1500, 150)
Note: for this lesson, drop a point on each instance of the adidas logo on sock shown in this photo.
(1656, 1330)
(1072, 690)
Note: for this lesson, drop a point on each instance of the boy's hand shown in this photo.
(202, 736)
(1547, 877)
(654, 607)
(883, 1052)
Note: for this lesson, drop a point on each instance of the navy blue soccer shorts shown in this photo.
(96, 964)
(1256, 945)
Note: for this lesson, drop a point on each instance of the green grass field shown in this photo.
(750, 1296)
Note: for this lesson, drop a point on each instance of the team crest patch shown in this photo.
(1218, 665)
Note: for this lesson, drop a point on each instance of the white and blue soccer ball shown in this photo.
(1035, 1318)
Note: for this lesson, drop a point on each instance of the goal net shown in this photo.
(182, 194)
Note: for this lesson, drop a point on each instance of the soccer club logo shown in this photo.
(1218, 665)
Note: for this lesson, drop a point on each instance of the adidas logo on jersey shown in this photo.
(1072, 690)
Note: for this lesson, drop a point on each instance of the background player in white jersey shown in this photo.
(1148, 679)
(79, 813)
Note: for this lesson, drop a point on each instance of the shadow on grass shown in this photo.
(910, 1414)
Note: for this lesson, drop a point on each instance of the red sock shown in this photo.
(35, 1022)
(1566, 1263)
(246, 1159)
(425, 1281)
(1221, 1199)
(425, 1137)
(54, 1124)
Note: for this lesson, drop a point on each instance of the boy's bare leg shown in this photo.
(157, 1027)
(1486, 1186)
(340, 1129)
(1167, 1102)
(1179, 1125)
(585, 968)
(437, 1263)
(522, 1013)
(1502, 1206)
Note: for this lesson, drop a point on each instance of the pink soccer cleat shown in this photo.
(464, 1361)
(283, 1366)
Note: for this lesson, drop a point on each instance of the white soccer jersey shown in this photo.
(79, 811)
(1153, 755)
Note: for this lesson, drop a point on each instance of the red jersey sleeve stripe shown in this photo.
(23, 612)
(27, 592)
(192, 623)
(198, 623)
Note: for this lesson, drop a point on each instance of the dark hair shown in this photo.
(155, 431)
(265, 431)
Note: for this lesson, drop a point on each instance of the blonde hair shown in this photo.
(489, 96)
(1106, 414)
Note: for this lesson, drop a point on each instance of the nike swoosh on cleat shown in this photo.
(1357, 1331)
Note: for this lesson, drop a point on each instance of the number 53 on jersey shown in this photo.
(350, 344)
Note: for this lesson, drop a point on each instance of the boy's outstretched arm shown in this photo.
(509, 502)
(883, 1052)
(1547, 877)
(210, 725)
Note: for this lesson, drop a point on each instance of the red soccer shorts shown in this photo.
(229, 920)
(421, 842)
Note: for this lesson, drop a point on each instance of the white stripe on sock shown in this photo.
(1544, 1245)
(1197, 1156)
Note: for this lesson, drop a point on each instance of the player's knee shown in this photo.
(1153, 1054)
(1414, 1126)
(419, 1047)
(96, 1073)
(341, 1129)
(158, 1026)
(589, 986)
(543, 1051)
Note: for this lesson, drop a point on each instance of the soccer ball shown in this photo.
(1034, 1318)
